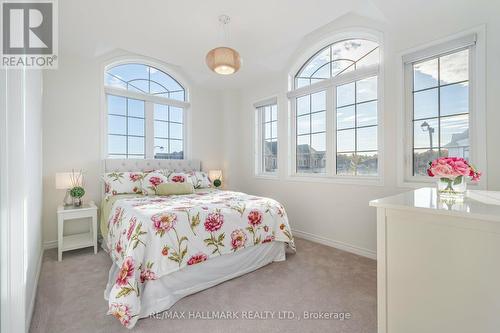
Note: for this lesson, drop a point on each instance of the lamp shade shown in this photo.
(63, 180)
(215, 174)
(223, 60)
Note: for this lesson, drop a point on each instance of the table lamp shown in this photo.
(63, 182)
(215, 177)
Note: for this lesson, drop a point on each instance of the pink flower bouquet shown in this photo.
(452, 173)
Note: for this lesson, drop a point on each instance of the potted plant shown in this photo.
(77, 191)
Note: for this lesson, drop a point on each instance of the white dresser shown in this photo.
(438, 263)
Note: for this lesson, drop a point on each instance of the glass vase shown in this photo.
(452, 187)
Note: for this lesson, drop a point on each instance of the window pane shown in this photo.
(135, 126)
(177, 95)
(300, 82)
(367, 114)
(274, 112)
(346, 164)
(175, 131)
(304, 124)
(161, 112)
(425, 74)
(321, 58)
(161, 148)
(366, 89)
(274, 129)
(176, 114)
(176, 146)
(117, 105)
(161, 129)
(341, 67)
(318, 122)
(455, 131)
(345, 94)
(303, 140)
(367, 138)
(267, 113)
(345, 117)
(270, 156)
(454, 67)
(345, 140)
(303, 105)
(425, 133)
(455, 99)
(318, 101)
(425, 104)
(267, 130)
(117, 125)
(421, 159)
(135, 108)
(371, 59)
(366, 163)
(135, 145)
(318, 142)
(117, 144)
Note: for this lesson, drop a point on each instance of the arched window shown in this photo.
(335, 111)
(336, 59)
(145, 112)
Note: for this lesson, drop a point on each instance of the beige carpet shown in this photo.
(316, 278)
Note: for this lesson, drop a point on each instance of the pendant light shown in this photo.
(223, 60)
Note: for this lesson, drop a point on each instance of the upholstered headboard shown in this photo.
(112, 164)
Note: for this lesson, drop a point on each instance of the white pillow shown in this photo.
(200, 179)
(122, 182)
(151, 180)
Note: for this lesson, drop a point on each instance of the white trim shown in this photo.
(451, 45)
(348, 77)
(265, 102)
(336, 244)
(146, 97)
(477, 102)
(31, 304)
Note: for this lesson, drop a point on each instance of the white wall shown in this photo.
(338, 214)
(21, 194)
(72, 116)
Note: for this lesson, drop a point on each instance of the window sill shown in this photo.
(268, 176)
(319, 178)
(429, 182)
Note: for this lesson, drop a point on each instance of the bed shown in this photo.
(167, 247)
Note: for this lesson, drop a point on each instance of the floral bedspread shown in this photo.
(152, 236)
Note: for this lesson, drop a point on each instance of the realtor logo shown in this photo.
(29, 34)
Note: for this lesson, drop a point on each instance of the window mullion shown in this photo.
(149, 135)
(331, 163)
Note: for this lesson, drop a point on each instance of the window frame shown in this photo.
(149, 101)
(474, 41)
(259, 138)
(329, 85)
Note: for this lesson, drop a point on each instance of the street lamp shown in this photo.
(427, 128)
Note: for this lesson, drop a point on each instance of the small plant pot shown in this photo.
(77, 202)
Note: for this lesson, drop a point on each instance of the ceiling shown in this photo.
(266, 33)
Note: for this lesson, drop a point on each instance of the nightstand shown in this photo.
(81, 240)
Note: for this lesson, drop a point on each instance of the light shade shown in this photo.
(223, 60)
(63, 180)
(215, 174)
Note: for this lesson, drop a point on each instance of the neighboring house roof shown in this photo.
(459, 139)
(306, 149)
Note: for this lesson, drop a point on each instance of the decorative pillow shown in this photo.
(151, 180)
(175, 188)
(200, 179)
(179, 177)
(122, 182)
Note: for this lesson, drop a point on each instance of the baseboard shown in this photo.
(50, 244)
(31, 306)
(336, 244)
